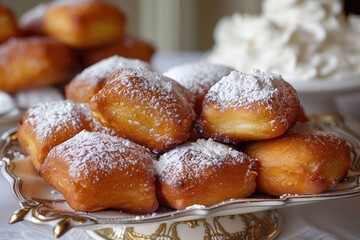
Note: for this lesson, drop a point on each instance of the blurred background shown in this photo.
(176, 25)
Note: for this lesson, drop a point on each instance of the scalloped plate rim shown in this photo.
(237, 206)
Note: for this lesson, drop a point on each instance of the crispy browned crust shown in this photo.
(299, 163)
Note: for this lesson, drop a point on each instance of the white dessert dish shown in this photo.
(324, 96)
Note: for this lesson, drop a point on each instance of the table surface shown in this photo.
(335, 219)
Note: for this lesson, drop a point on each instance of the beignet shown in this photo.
(242, 107)
(145, 107)
(96, 171)
(35, 62)
(304, 160)
(204, 173)
(84, 23)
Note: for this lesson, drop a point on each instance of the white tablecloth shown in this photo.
(337, 219)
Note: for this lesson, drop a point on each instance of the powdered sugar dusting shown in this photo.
(154, 93)
(193, 160)
(250, 91)
(50, 118)
(241, 89)
(198, 77)
(99, 71)
(98, 153)
(105, 67)
(149, 80)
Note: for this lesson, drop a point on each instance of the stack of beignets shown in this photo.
(102, 154)
(35, 62)
(95, 28)
(54, 41)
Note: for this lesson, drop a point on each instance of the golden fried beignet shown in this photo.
(302, 161)
(46, 125)
(145, 107)
(128, 47)
(87, 83)
(198, 77)
(84, 23)
(8, 24)
(204, 173)
(254, 106)
(95, 171)
(33, 62)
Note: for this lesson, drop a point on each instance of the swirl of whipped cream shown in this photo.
(294, 12)
(302, 40)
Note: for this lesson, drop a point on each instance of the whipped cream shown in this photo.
(302, 40)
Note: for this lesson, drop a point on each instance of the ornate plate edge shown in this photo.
(32, 210)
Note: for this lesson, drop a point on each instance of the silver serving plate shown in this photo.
(41, 204)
